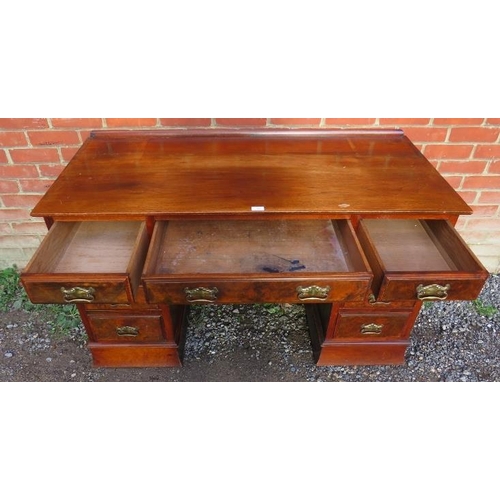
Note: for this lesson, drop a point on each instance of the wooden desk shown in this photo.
(357, 225)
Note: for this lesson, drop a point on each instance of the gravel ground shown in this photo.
(451, 342)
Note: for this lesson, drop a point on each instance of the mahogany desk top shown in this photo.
(248, 173)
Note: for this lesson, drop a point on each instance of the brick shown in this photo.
(492, 264)
(24, 123)
(349, 121)
(426, 134)
(185, 122)
(17, 171)
(487, 249)
(34, 155)
(482, 182)
(295, 121)
(474, 236)
(28, 253)
(454, 181)
(53, 137)
(14, 214)
(76, 122)
(442, 151)
(493, 121)
(84, 135)
(131, 122)
(241, 122)
(489, 197)
(421, 147)
(9, 186)
(484, 224)
(485, 210)
(458, 121)
(487, 151)
(404, 121)
(20, 200)
(462, 167)
(68, 153)
(3, 157)
(474, 134)
(461, 223)
(19, 241)
(35, 185)
(494, 168)
(8, 139)
(29, 227)
(50, 170)
(468, 196)
(11, 256)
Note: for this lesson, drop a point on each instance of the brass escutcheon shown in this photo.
(313, 292)
(127, 331)
(78, 294)
(201, 294)
(432, 292)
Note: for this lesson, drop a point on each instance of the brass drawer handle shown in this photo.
(371, 329)
(313, 292)
(432, 292)
(201, 294)
(78, 294)
(127, 331)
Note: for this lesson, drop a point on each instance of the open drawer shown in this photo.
(98, 262)
(243, 261)
(420, 259)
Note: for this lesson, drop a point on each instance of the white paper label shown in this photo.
(258, 209)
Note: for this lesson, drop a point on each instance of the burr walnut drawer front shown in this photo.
(116, 327)
(420, 260)
(367, 327)
(87, 262)
(255, 261)
(254, 291)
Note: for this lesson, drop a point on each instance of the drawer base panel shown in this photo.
(355, 353)
(134, 356)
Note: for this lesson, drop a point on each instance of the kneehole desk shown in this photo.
(355, 224)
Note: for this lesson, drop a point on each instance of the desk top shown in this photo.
(248, 173)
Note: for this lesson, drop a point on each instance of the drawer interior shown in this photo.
(87, 247)
(420, 259)
(254, 247)
(411, 245)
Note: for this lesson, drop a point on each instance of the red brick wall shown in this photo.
(33, 151)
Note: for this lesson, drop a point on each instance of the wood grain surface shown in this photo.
(248, 174)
